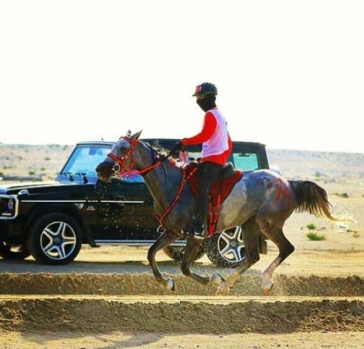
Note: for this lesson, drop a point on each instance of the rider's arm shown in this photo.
(208, 129)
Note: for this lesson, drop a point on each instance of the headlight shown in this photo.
(8, 206)
(11, 205)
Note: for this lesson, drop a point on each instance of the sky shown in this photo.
(289, 74)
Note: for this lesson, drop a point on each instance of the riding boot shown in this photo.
(208, 174)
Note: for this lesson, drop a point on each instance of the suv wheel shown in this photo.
(227, 248)
(13, 252)
(176, 252)
(55, 239)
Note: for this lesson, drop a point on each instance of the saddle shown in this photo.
(219, 191)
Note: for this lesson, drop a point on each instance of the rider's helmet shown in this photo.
(205, 88)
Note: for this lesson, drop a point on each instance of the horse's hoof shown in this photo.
(216, 279)
(267, 289)
(171, 284)
(222, 290)
(266, 292)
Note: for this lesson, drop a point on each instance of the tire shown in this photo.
(227, 248)
(54, 239)
(176, 252)
(13, 252)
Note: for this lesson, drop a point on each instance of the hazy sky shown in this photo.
(290, 74)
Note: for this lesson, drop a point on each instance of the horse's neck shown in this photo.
(162, 180)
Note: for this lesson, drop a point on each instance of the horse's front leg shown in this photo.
(164, 240)
(192, 247)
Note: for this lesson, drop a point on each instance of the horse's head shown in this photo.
(119, 159)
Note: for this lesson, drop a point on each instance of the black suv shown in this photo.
(51, 220)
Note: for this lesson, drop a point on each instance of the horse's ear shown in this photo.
(136, 135)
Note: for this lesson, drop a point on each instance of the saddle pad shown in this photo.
(222, 187)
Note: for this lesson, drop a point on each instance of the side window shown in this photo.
(193, 156)
(246, 161)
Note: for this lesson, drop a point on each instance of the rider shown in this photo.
(216, 149)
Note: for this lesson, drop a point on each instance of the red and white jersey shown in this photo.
(218, 142)
(214, 137)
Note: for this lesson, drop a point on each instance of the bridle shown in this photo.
(129, 171)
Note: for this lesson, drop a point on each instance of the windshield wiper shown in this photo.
(84, 177)
(69, 175)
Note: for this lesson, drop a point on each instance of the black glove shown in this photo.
(177, 148)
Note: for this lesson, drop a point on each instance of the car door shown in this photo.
(125, 212)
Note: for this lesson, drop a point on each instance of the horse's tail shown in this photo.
(313, 199)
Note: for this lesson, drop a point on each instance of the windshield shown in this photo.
(84, 160)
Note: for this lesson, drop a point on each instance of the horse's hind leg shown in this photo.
(164, 240)
(192, 247)
(275, 234)
(251, 242)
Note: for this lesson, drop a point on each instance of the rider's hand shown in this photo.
(177, 147)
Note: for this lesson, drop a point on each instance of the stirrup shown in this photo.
(199, 234)
(194, 234)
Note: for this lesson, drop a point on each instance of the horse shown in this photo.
(261, 201)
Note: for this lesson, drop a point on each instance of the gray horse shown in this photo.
(261, 201)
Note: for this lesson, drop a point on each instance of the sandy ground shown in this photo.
(115, 340)
(317, 300)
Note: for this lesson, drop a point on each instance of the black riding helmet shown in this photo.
(205, 89)
(206, 96)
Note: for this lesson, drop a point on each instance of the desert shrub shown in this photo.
(343, 195)
(31, 173)
(311, 226)
(315, 237)
(47, 158)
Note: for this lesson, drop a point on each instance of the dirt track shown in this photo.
(334, 304)
(116, 309)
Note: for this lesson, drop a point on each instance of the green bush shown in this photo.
(315, 237)
(311, 226)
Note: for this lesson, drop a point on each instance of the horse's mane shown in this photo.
(157, 147)
(161, 153)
